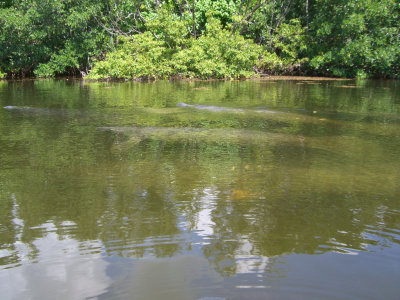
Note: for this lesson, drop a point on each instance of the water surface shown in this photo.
(265, 189)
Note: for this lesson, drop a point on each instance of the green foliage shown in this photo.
(290, 41)
(168, 28)
(201, 38)
(356, 39)
(17, 51)
(220, 10)
(141, 56)
(285, 49)
(217, 54)
(59, 63)
(51, 37)
(271, 63)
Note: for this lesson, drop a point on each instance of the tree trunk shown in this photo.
(307, 15)
(194, 20)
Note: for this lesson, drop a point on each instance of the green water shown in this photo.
(265, 189)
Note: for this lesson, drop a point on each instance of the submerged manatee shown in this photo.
(222, 109)
(209, 107)
(218, 135)
(20, 108)
(58, 112)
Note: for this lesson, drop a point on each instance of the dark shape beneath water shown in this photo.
(222, 109)
(229, 135)
(43, 111)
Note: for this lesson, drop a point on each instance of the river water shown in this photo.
(263, 189)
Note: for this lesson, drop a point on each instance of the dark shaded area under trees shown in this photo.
(199, 38)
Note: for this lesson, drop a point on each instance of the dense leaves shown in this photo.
(216, 54)
(199, 38)
(357, 38)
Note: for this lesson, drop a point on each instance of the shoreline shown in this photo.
(259, 78)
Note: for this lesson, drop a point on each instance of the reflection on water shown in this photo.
(111, 190)
(54, 266)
